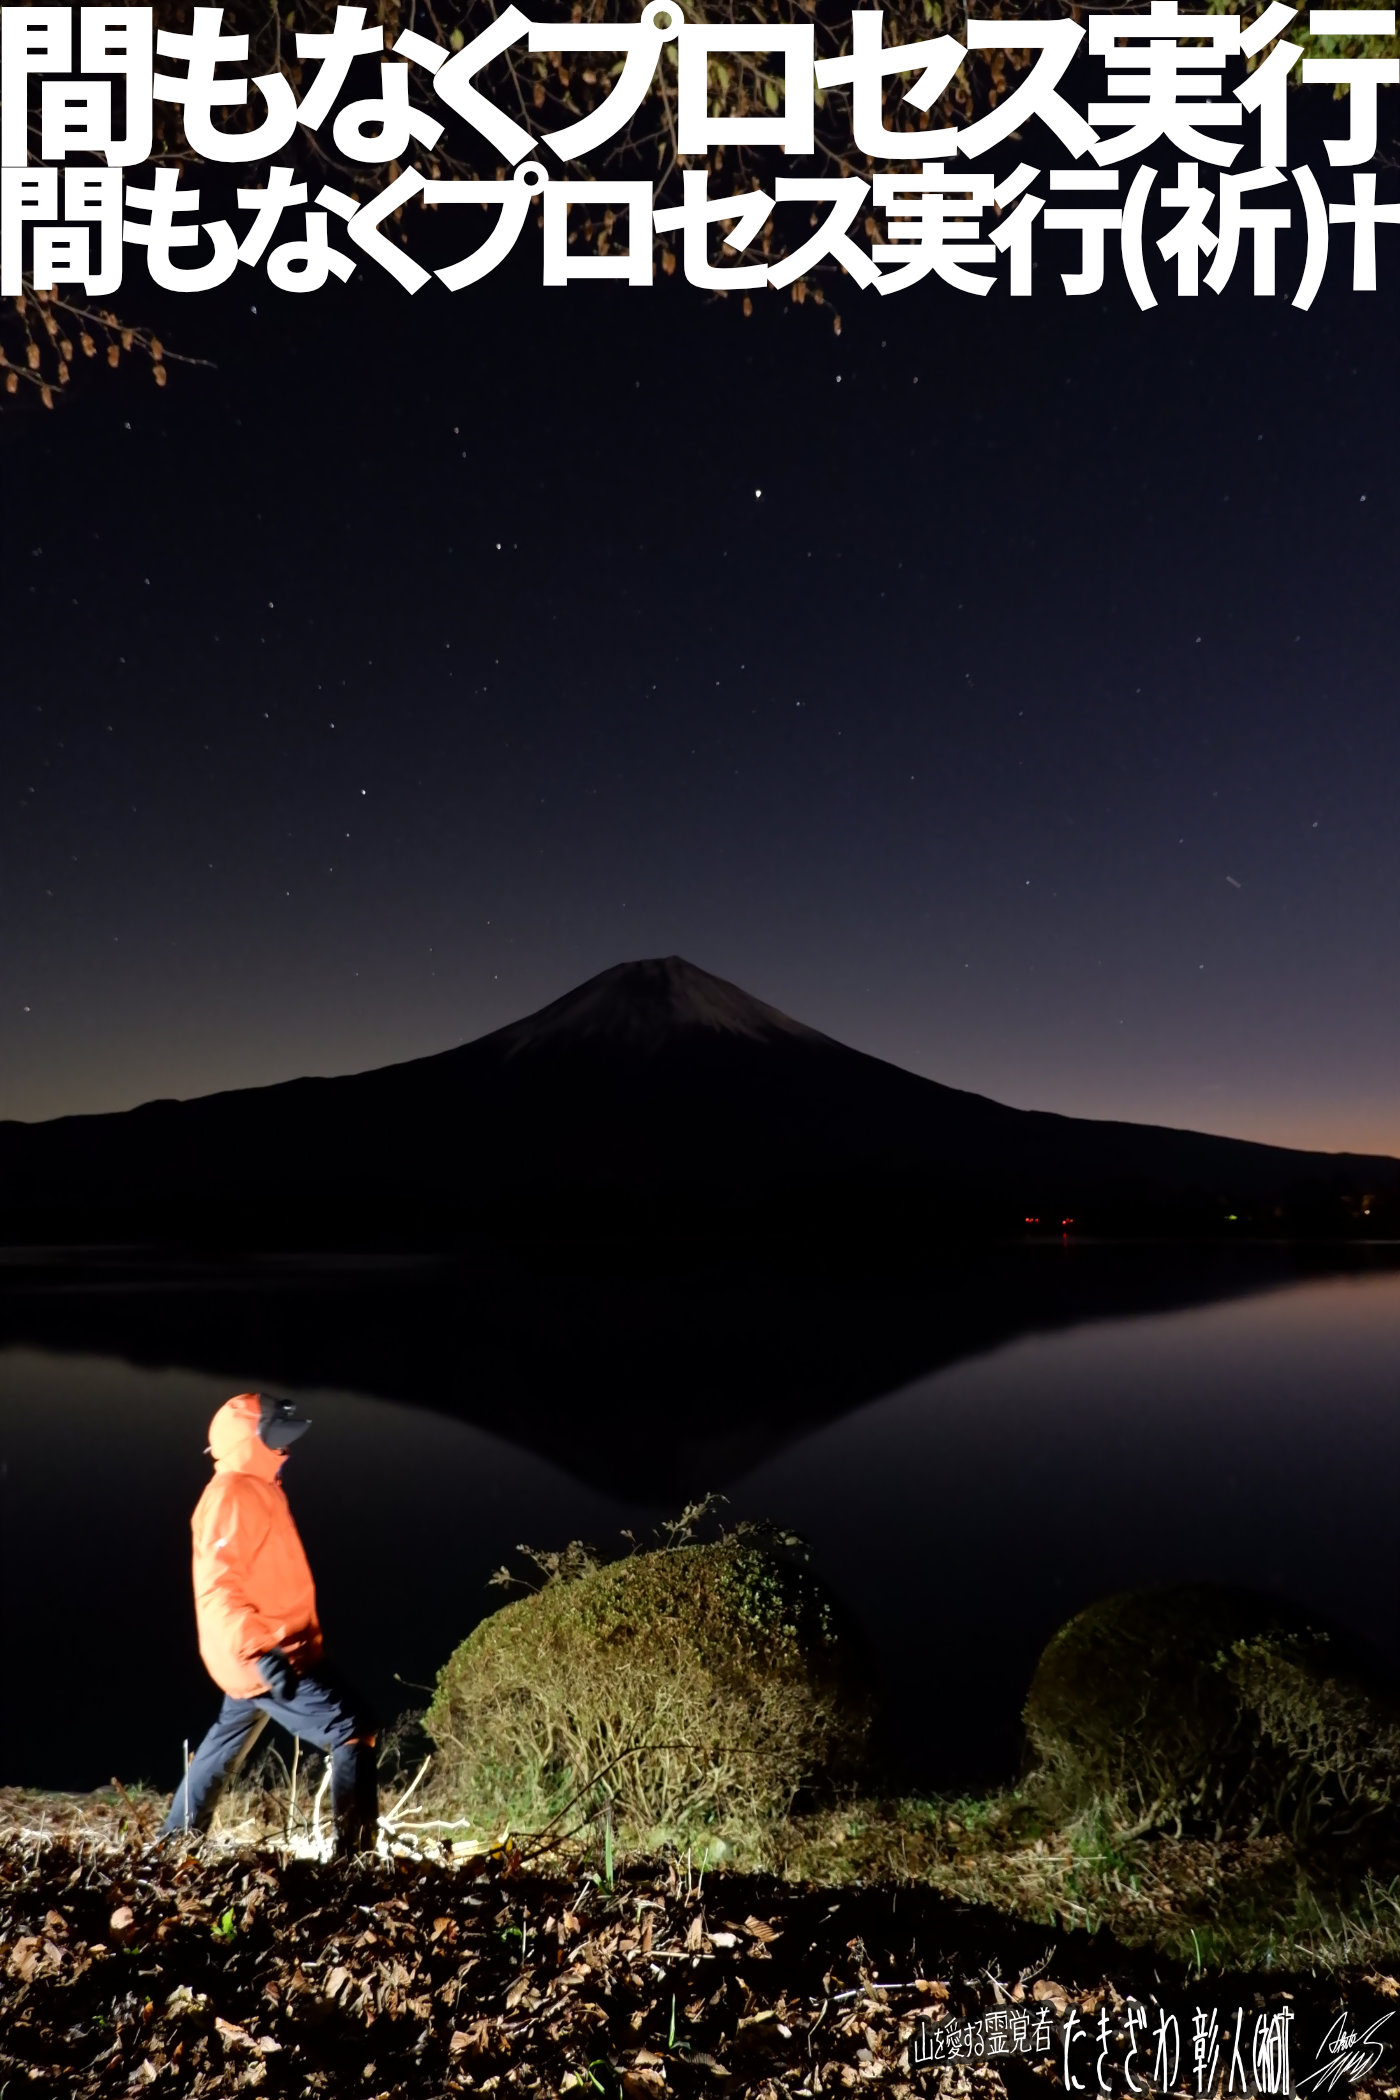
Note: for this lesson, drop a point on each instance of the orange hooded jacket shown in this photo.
(252, 1586)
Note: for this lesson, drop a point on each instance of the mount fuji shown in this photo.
(653, 1099)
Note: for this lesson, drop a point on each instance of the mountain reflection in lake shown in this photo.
(961, 1518)
(1255, 1442)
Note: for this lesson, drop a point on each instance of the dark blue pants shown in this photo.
(323, 1712)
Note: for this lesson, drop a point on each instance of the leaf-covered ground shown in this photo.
(123, 1968)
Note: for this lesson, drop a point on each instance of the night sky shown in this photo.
(1008, 689)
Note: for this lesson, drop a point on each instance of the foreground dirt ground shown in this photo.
(123, 1968)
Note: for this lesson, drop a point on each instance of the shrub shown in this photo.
(699, 1690)
(1209, 1707)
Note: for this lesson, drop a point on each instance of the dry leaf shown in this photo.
(1047, 1993)
(23, 1956)
(233, 2037)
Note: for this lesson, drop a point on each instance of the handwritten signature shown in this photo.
(1345, 2056)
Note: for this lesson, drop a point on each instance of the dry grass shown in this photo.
(1213, 1710)
(1211, 1903)
(1242, 1903)
(691, 1695)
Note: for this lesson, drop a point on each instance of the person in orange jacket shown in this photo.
(259, 1636)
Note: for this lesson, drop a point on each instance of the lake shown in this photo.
(1253, 1438)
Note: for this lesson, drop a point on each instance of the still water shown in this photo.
(961, 1518)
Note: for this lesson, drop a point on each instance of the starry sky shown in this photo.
(1008, 689)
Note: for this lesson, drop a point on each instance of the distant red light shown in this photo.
(1066, 1221)
(1032, 1221)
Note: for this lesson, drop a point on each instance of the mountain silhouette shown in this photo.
(653, 1099)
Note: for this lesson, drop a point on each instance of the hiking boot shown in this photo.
(354, 1834)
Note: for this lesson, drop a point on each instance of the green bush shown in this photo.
(698, 1690)
(1213, 1709)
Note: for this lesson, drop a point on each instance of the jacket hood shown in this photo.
(234, 1442)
